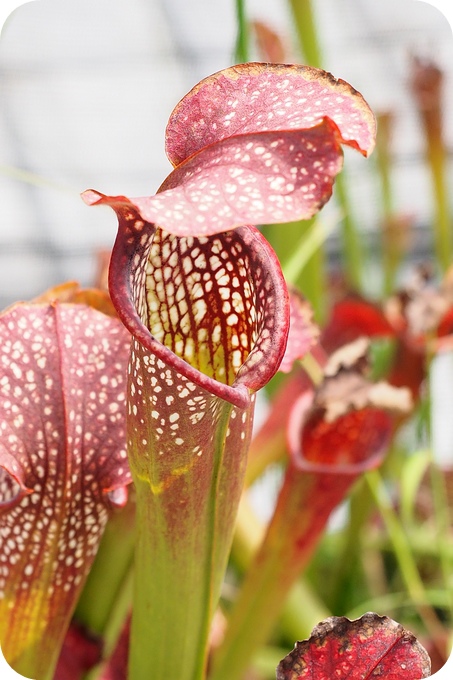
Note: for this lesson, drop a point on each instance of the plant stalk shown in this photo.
(307, 33)
(298, 522)
(178, 570)
(407, 565)
(242, 41)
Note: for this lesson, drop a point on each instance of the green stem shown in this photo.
(242, 41)
(439, 495)
(443, 231)
(296, 526)
(265, 452)
(404, 556)
(179, 567)
(396, 602)
(304, 263)
(349, 557)
(306, 31)
(391, 249)
(309, 244)
(313, 368)
(33, 179)
(305, 23)
(313, 283)
(352, 249)
(443, 525)
(302, 609)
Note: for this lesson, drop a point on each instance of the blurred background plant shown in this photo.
(85, 98)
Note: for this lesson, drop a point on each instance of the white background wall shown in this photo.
(86, 87)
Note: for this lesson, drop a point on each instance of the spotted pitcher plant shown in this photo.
(203, 295)
(63, 465)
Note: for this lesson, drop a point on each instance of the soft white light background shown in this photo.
(86, 87)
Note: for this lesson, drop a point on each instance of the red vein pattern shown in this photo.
(368, 647)
(215, 309)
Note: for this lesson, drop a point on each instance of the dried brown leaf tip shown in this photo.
(262, 97)
(71, 292)
(348, 421)
(423, 309)
(346, 386)
(427, 81)
(369, 647)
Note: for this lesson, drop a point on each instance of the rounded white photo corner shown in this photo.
(445, 7)
(6, 672)
(7, 7)
(446, 672)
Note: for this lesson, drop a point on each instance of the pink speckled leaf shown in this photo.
(248, 179)
(62, 466)
(254, 144)
(250, 98)
(303, 332)
(369, 647)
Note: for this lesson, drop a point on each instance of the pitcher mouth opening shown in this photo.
(338, 464)
(215, 308)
